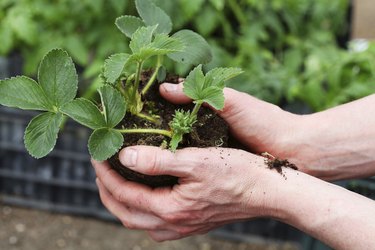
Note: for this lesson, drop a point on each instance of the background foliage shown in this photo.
(291, 51)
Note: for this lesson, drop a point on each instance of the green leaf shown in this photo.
(104, 142)
(218, 4)
(114, 105)
(84, 112)
(6, 38)
(41, 134)
(209, 88)
(23, 25)
(141, 38)
(191, 8)
(128, 24)
(175, 140)
(193, 85)
(58, 77)
(196, 51)
(119, 6)
(162, 74)
(167, 44)
(153, 15)
(162, 45)
(24, 93)
(214, 96)
(217, 76)
(77, 49)
(114, 66)
(182, 123)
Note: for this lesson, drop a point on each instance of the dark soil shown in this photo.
(210, 130)
(278, 164)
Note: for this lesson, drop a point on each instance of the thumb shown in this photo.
(155, 161)
(235, 101)
(174, 93)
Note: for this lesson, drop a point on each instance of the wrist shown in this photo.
(297, 142)
(265, 197)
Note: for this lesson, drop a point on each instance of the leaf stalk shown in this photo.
(148, 118)
(197, 106)
(153, 77)
(146, 131)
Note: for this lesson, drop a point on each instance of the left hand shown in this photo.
(216, 186)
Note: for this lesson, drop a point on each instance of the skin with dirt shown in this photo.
(278, 164)
(209, 131)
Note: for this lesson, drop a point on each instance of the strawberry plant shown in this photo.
(122, 95)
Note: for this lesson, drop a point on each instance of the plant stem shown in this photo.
(197, 106)
(137, 77)
(148, 118)
(146, 131)
(153, 77)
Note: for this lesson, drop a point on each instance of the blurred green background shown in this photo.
(291, 51)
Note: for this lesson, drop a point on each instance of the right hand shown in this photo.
(260, 126)
(323, 144)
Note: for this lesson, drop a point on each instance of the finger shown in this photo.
(156, 161)
(189, 164)
(174, 93)
(163, 235)
(235, 102)
(175, 234)
(130, 218)
(131, 193)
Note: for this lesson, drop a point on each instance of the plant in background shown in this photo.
(31, 28)
(291, 51)
(55, 92)
(275, 42)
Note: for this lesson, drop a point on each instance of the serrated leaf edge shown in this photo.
(154, 5)
(50, 109)
(24, 137)
(128, 16)
(89, 148)
(106, 65)
(70, 59)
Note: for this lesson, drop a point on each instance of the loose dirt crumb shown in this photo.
(278, 164)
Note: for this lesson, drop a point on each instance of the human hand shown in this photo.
(322, 144)
(219, 186)
(259, 125)
(216, 186)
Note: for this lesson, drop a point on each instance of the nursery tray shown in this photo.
(64, 181)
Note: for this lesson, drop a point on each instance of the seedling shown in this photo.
(55, 92)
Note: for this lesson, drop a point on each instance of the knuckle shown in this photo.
(183, 231)
(154, 236)
(172, 218)
(118, 194)
(154, 164)
(128, 224)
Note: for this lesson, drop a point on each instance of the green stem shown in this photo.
(154, 75)
(137, 77)
(148, 118)
(146, 131)
(197, 106)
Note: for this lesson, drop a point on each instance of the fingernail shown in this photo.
(169, 87)
(129, 157)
